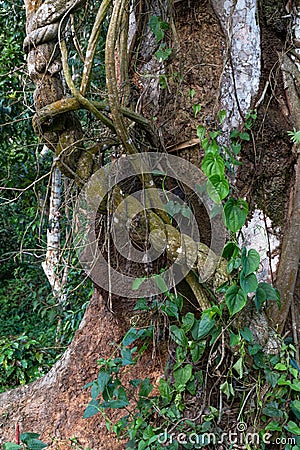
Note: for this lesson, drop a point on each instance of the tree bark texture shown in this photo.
(44, 21)
(54, 405)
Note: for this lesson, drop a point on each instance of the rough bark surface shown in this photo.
(54, 405)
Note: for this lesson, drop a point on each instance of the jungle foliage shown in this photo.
(30, 339)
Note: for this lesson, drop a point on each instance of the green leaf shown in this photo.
(235, 212)
(216, 211)
(217, 188)
(283, 381)
(132, 335)
(196, 109)
(227, 389)
(274, 426)
(250, 261)
(254, 349)
(214, 134)
(295, 386)
(145, 388)
(213, 164)
(293, 428)
(135, 382)
(200, 188)
(164, 25)
(115, 404)
(270, 292)
(142, 304)
(170, 309)
(295, 407)
(191, 387)
(92, 409)
(24, 437)
(260, 298)
(172, 207)
(11, 446)
(295, 136)
(160, 283)
(95, 391)
(222, 116)
(280, 366)
(165, 390)
(178, 336)
(186, 212)
(183, 375)
(231, 265)
(247, 334)
(155, 25)
(211, 147)
(178, 300)
(235, 340)
(259, 359)
(202, 327)
(231, 250)
(142, 445)
(163, 53)
(248, 283)
(35, 444)
(272, 377)
(103, 379)
(188, 321)
(272, 410)
(235, 299)
(121, 394)
(181, 353)
(234, 134)
(236, 147)
(245, 136)
(126, 355)
(137, 283)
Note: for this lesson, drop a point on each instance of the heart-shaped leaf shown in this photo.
(235, 212)
(235, 299)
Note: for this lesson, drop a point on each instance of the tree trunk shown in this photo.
(219, 62)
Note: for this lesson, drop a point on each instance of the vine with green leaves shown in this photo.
(217, 359)
(30, 339)
(214, 350)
